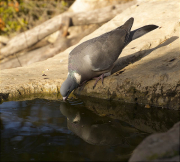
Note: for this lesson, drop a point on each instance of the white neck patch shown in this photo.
(78, 77)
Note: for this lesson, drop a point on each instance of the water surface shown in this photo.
(78, 130)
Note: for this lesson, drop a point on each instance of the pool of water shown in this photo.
(77, 130)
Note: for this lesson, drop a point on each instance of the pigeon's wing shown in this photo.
(101, 52)
(105, 50)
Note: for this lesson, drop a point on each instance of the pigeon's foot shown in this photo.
(97, 79)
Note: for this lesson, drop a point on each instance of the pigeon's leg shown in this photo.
(97, 79)
(82, 85)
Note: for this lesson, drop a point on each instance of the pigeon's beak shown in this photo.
(65, 98)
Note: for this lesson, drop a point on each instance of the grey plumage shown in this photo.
(98, 55)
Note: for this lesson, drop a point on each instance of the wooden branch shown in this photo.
(96, 16)
(30, 37)
(47, 51)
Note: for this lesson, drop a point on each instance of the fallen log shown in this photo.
(34, 35)
(35, 54)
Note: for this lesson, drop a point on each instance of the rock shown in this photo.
(149, 66)
(84, 5)
(159, 147)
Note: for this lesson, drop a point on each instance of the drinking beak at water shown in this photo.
(68, 86)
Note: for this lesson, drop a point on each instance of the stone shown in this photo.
(147, 71)
(150, 64)
(84, 5)
(159, 147)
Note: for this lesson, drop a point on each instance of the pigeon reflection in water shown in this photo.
(98, 130)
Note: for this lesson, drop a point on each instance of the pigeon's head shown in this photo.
(68, 86)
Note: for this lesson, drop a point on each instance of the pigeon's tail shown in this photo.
(140, 32)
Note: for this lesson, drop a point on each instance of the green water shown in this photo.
(78, 130)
